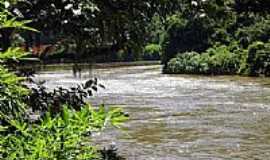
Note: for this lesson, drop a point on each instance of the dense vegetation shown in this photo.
(191, 37)
(64, 122)
(218, 37)
(217, 60)
(106, 30)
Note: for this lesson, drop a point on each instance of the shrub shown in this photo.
(184, 63)
(217, 60)
(257, 31)
(184, 35)
(11, 94)
(41, 99)
(221, 61)
(152, 52)
(218, 22)
(65, 136)
(258, 59)
(59, 135)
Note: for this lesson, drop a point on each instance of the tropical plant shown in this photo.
(12, 90)
(184, 63)
(41, 99)
(217, 60)
(65, 136)
(152, 52)
(258, 59)
(202, 25)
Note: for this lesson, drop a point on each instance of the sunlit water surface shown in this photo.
(178, 117)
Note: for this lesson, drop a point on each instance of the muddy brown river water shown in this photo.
(180, 117)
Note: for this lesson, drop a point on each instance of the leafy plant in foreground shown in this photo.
(65, 136)
(41, 99)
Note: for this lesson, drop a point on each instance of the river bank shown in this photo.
(69, 66)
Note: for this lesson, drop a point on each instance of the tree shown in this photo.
(91, 24)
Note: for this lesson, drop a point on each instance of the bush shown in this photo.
(60, 134)
(63, 133)
(258, 59)
(184, 36)
(221, 60)
(152, 52)
(184, 63)
(217, 60)
(64, 137)
(258, 31)
(203, 25)
(42, 100)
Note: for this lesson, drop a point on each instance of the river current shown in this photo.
(179, 117)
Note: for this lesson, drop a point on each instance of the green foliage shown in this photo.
(41, 99)
(217, 60)
(258, 30)
(11, 89)
(222, 60)
(258, 59)
(225, 60)
(8, 21)
(12, 54)
(66, 136)
(184, 35)
(202, 25)
(184, 63)
(247, 6)
(91, 24)
(196, 28)
(152, 52)
(156, 30)
(11, 95)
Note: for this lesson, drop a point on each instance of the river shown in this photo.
(180, 117)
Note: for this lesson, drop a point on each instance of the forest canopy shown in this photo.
(125, 30)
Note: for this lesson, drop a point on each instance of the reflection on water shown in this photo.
(181, 116)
